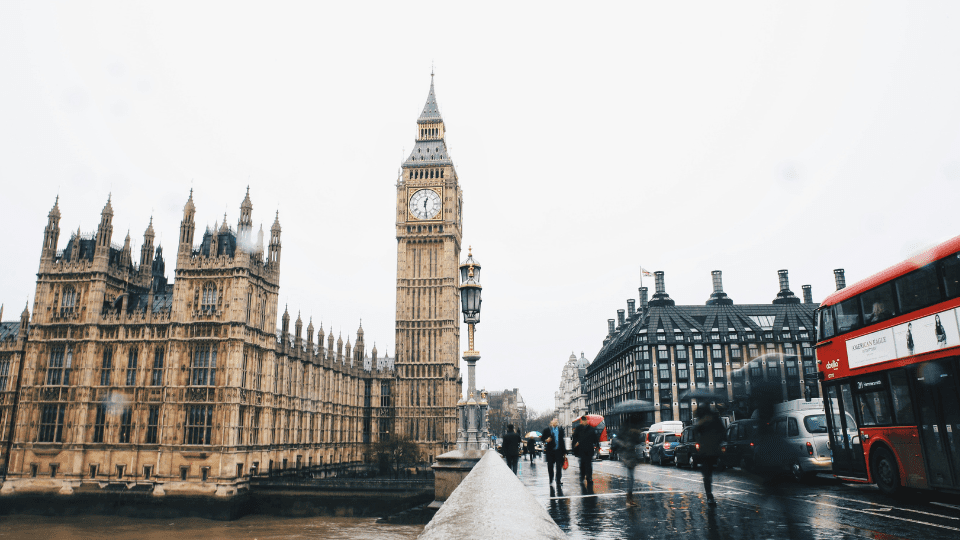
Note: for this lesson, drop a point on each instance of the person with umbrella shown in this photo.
(531, 447)
(585, 444)
(626, 441)
(709, 436)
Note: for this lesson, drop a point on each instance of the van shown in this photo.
(647, 437)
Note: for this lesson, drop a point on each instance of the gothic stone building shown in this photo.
(187, 387)
(662, 350)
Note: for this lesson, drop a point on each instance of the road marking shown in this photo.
(610, 494)
(899, 508)
(947, 505)
(873, 513)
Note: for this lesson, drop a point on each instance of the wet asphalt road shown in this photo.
(672, 505)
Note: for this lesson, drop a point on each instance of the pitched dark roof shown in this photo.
(9, 330)
(743, 318)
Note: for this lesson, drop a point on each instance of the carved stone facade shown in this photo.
(571, 399)
(184, 387)
(429, 231)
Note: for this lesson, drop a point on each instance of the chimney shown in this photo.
(718, 297)
(838, 276)
(620, 320)
(610, 326)
(807, 295)
(785, 296)
(661, 298)
(643, 298)
(631, 308)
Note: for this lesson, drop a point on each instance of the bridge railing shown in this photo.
(491, 502)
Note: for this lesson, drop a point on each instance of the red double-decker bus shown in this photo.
(887, 356)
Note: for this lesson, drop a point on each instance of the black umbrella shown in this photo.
(633, 406)
(701, 394)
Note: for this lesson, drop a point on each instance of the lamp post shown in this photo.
(472, 431)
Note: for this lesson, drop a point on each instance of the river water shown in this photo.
(259, 527)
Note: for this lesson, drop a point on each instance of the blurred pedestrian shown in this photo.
(511, 448)
(531, 448)
(585, 444)
(626, 442)
(554, 449)
(709, 436)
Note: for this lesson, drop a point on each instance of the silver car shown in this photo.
(802, 443)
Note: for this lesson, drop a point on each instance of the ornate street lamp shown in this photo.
(473, 435)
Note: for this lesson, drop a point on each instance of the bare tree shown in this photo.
(395, 452)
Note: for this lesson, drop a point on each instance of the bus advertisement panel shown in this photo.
(888, 356)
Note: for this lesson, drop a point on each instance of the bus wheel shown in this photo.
(883, 468)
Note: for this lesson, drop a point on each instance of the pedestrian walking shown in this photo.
(626, 442)
(585, 444)
(511, 448)
(531, 448)
(554, 449)
(709, 436)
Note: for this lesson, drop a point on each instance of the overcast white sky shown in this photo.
(745, 137)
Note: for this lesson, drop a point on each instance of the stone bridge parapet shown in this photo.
(491, 502)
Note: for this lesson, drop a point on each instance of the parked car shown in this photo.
(800, 444)
(738, 446)
(648, 437)
(687, 453)
(664, 447)
(604, 452)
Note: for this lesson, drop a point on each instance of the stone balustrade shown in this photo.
(491, 502)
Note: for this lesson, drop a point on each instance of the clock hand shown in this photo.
(424, 206)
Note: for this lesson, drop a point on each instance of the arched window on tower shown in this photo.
(208, 303)
(69, 301)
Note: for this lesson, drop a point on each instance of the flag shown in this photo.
(645, 272)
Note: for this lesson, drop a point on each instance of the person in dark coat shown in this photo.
(709, 436)
(585, 444)
(554, 449)
(626, 442)
(531, 448)
(511, 448)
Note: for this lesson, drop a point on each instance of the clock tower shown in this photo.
(429, 231)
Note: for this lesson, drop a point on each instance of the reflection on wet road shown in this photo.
(671, 503)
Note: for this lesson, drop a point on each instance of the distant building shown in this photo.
(660, 351)
(506, 407)
(571, 399)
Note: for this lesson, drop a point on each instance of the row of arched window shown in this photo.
(429, 132)
(426, 173)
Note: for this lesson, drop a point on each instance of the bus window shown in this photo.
(827, 329)
(848, 315)
(951, 275)
(918, 289)
(900, 392)
(874, 408)
(877, 304)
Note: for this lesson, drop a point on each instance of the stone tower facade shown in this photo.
(429, 232)
(184, 388)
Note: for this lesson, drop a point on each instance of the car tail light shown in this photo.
(666, 446)
(751, 444)
(810, 448)
(698, 447)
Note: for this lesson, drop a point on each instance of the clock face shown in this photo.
(425, 204)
